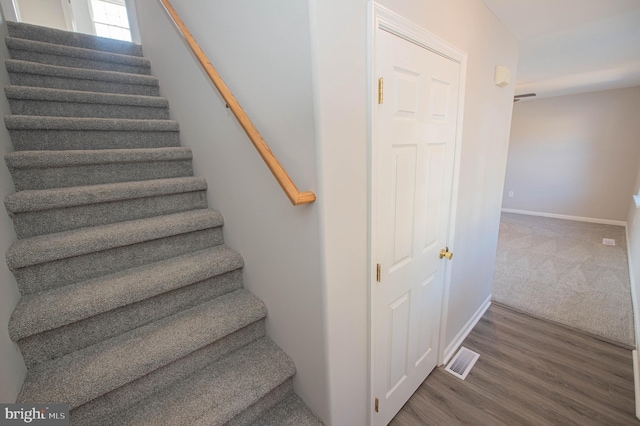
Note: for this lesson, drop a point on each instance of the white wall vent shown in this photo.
(608, 241)
(462, 362)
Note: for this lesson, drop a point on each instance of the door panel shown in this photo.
(399, 317)
(404, 187)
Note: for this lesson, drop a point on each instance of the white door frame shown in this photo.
(383, 18)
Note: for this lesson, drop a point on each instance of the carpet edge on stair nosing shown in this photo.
(19, 66)
(53, 159)
(27, 200)
(42, 123)
(65, 96)
(36, 250)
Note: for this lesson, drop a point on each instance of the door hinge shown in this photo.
(380, 90)
(378, 272)
(377, 403)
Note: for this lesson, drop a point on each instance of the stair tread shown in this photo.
(27, 67)
(46, 199)
(52, 35)
(79, 96)
(78, 242)
(33, 159)
(37, 122)
(64, 305)
(219, 392)
(75, 52)
(86, 374)
(292, 411)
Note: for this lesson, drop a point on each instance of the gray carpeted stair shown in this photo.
(33, 133)
(72, 103)
(60, 169)
(75, 57)
(25, 73)
(132, 307)
(38, 212)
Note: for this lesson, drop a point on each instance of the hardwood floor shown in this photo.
(530, 372)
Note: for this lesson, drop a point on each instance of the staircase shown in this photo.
(132, 309)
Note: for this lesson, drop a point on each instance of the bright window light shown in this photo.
(110, 19)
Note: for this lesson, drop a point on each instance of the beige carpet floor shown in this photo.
(559, 270)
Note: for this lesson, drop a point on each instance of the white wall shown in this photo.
(261, 49)
(339, 38)
(575, 155)
(12, 368)
(47, 13)
(310, 264)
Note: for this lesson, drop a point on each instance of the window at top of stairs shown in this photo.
(110, 19)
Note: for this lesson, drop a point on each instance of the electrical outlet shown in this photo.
(510, 194)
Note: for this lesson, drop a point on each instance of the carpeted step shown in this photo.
(61, 169)
(51, 35)
(39, 212)
(75, 57)
(100, 410)
(217, 393)
(290, 412)
(84, 375)
(33, 133)
(38, 101)
(51, 309)
(81, 334)
(194, 284)
(24, 73)
(55, 260)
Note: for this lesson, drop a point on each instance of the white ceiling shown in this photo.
(573, 46)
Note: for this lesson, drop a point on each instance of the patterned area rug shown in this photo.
(561, 271)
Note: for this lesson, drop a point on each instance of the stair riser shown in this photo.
(61, 341)
(64, 140)
(264, 404)
(77, 109)
(67, 61)
(94, 174)
(99, 411)
(30, 224)
(84, 41)
(53, 82)
(44, 276)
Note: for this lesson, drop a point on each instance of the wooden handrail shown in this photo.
(296, 197)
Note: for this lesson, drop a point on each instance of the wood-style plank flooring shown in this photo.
(530, 372)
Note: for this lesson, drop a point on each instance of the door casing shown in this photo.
(382, 18)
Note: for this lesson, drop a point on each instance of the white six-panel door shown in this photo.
(415, 133)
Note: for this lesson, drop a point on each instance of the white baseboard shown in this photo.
(567, 217)
(462, 334)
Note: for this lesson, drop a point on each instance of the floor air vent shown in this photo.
(461, 363)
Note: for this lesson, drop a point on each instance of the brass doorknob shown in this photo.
(446, 253)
